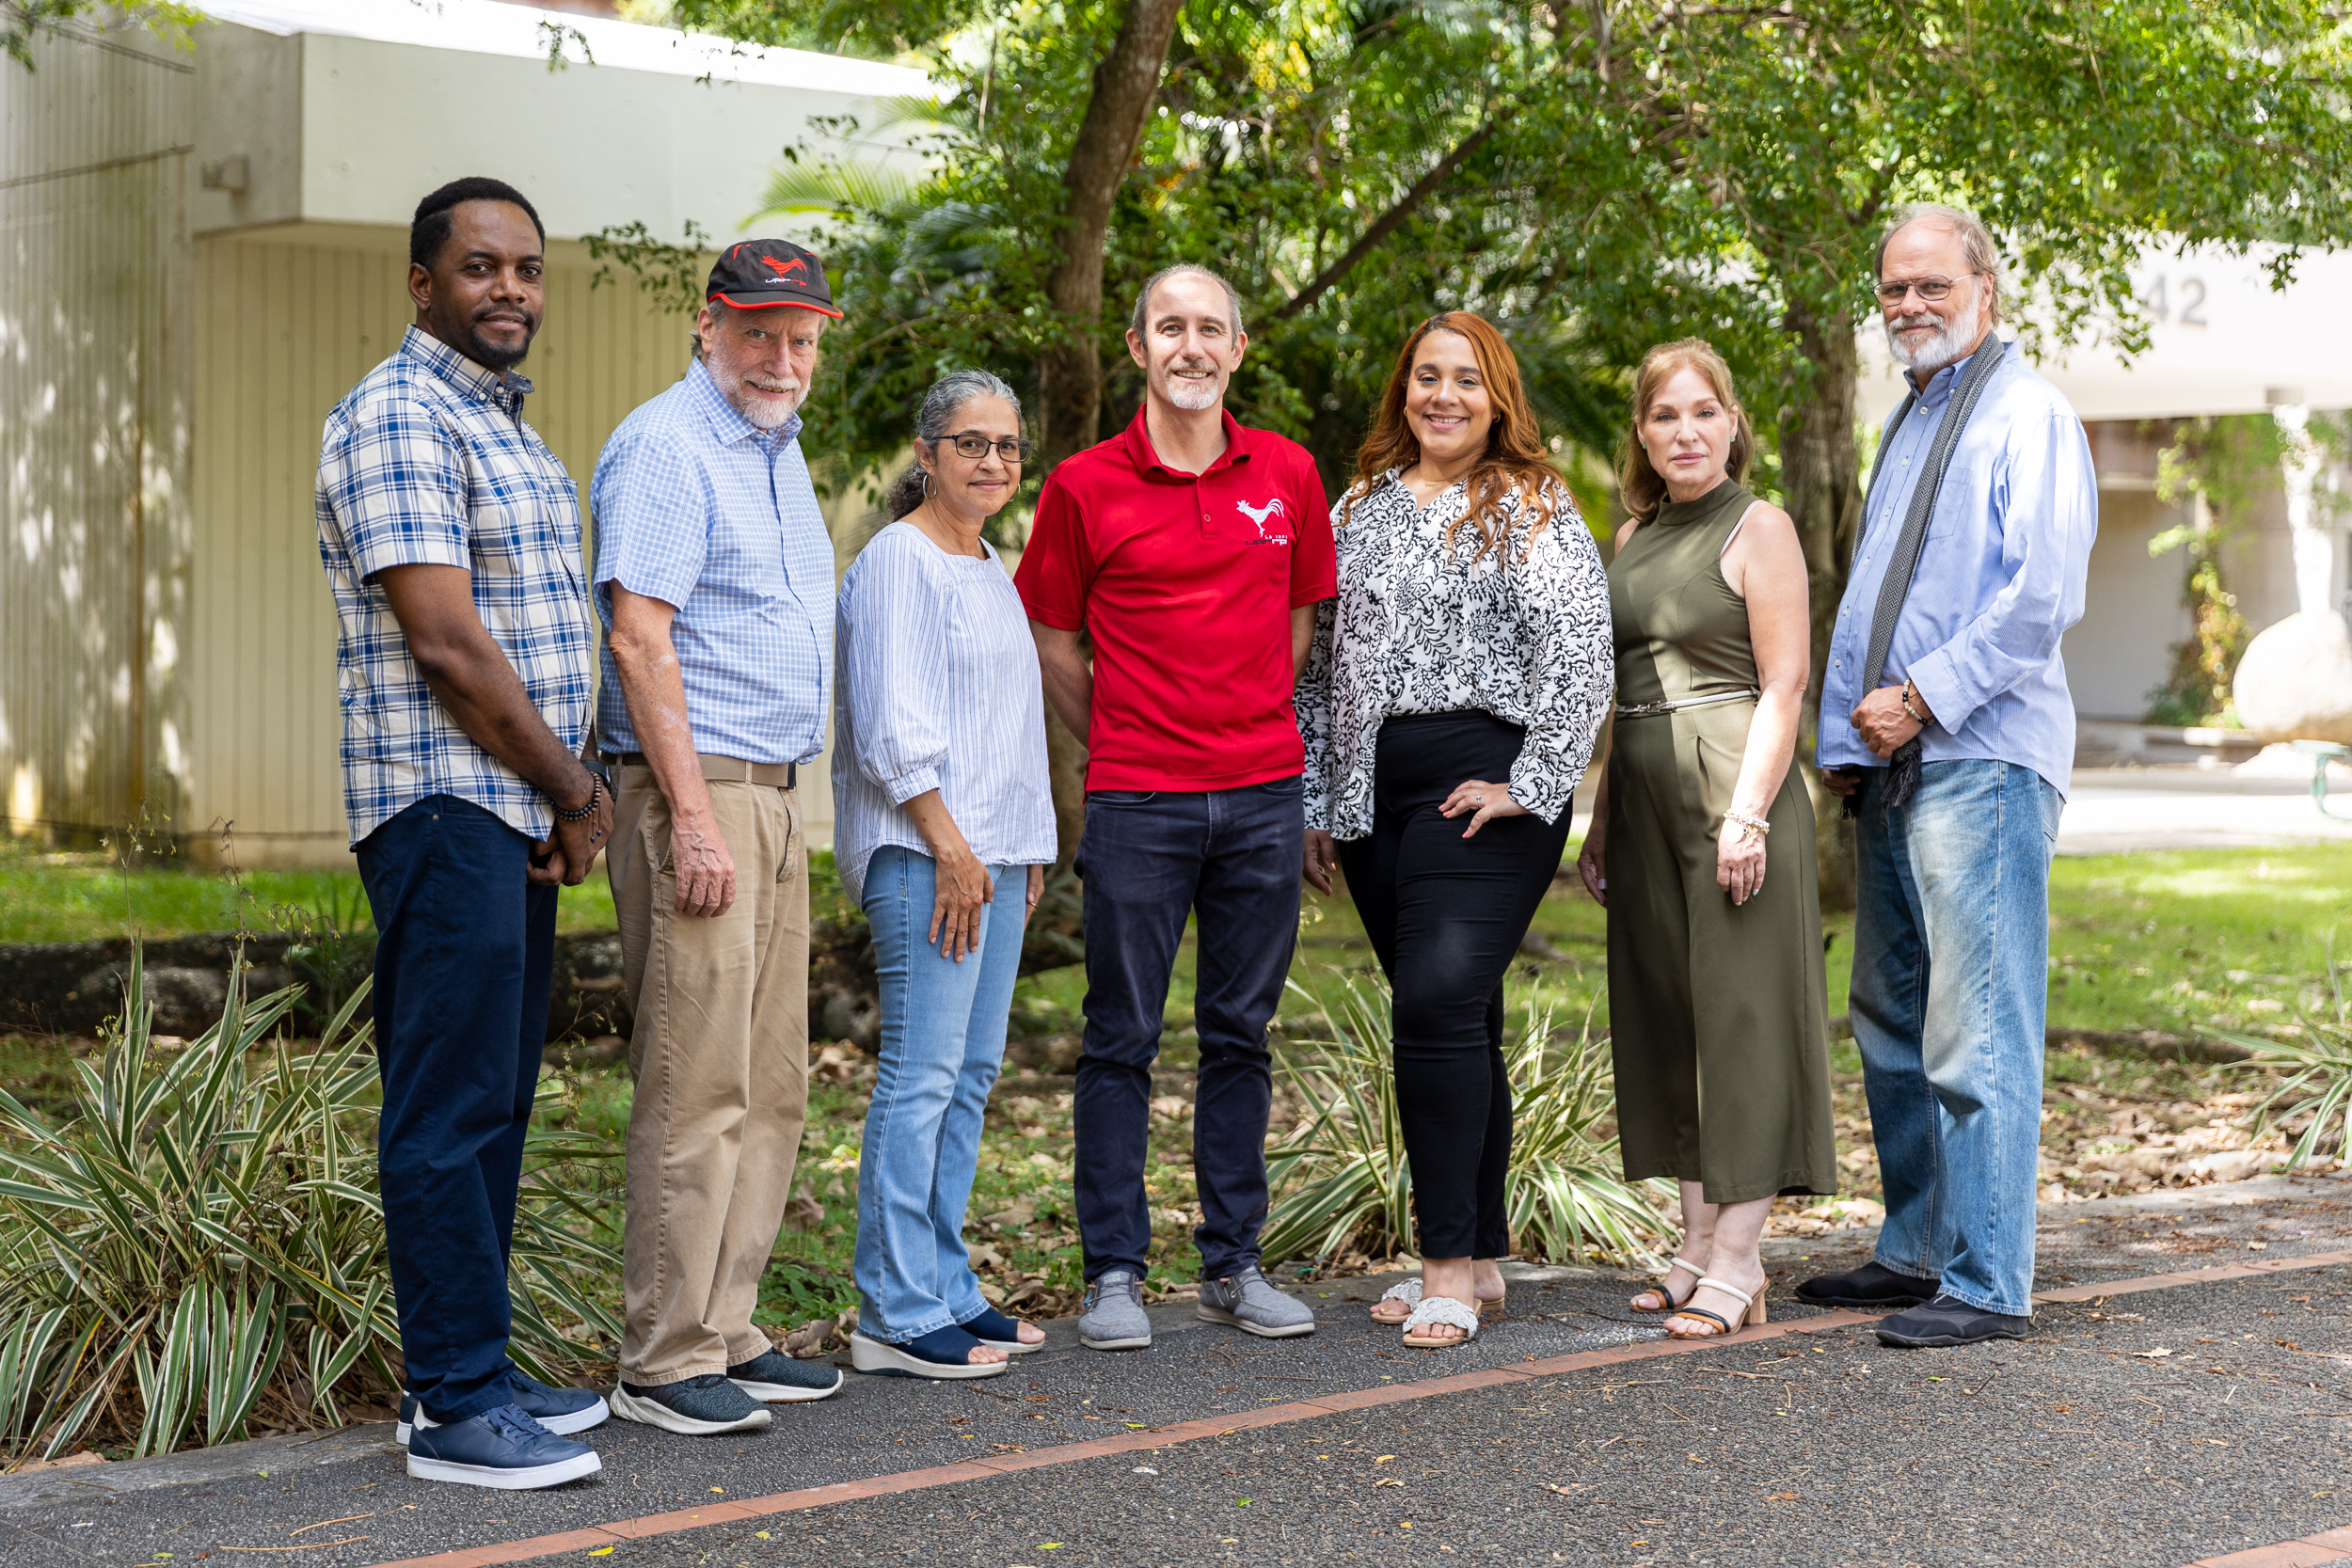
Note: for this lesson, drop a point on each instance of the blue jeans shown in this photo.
(943, 1039)
(465, 952)
(1950, 988)
(1148, 861)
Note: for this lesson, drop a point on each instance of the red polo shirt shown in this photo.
(1185, 582)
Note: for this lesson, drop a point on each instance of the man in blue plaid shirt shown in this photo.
(450, 538)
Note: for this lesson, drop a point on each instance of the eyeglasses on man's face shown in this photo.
(1934, 290)
(971, 444)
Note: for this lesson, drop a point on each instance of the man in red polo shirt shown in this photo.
(1191, 550)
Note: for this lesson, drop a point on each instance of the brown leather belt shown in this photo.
(778, 775)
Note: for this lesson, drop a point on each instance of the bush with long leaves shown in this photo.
(197, 1236)
(2320, 1086)
(1343, 1180)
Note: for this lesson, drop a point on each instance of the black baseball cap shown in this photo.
(759, 274)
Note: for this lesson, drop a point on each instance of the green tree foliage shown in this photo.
(22, 20)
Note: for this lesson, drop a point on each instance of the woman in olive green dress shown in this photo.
(1716, 996)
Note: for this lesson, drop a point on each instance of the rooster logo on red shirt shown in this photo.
(1258, 516)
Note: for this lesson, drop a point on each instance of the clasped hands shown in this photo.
(1884, 727)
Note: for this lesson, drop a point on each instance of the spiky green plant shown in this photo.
(199, 1235)
(1342, 1178)
(2320, 1087)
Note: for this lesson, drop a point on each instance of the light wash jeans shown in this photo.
(1950, 988)
(943, 1039)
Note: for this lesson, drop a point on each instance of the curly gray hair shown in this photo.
(941, 405)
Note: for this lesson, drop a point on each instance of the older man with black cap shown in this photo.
(714, 578)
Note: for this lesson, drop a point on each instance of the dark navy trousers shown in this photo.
(1150, 860)
(464, 956)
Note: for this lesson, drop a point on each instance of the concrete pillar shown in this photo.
(2314, 546)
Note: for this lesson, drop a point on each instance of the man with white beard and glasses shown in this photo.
(1192, 551)
(714, 577)
(1954, 761)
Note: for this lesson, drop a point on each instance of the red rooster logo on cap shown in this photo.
(790, 270)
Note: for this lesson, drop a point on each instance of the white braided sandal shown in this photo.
(1665, 1295)
(1407, 1291)
(1440, 1309)
(1751, 1310)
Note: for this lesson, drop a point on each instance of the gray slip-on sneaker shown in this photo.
(775, 1378)
(696, 1406)
(1114, 1317)
(1249, 1301)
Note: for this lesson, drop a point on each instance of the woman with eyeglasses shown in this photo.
(1717, 1012)
(943, 828)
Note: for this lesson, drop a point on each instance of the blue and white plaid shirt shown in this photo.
(427, 461)
(701, 509)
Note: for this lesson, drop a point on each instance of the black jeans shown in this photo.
(1446, 916)
(464, 957)
(1149, 860)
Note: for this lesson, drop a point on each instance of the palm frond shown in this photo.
(201, 1231)
(1344, 1182)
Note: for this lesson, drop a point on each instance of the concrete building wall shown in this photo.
(95, 289)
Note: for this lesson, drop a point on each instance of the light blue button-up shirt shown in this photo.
(2001, 580)
(697, 506)
(939, 690)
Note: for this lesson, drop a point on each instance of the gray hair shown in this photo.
(1143, 296)
(949, 397)
(1976, 240)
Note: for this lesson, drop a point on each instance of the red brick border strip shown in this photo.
(737, 1510)
(2334, 1545)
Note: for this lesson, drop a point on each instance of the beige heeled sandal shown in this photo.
(1751, 1310)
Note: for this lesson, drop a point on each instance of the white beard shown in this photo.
(1946, 348)
(1192, 396)
(764, 409)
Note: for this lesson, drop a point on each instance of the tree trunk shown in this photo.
(1069, 373)
(1821, 471)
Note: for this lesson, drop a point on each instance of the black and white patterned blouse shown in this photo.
(1421, 626)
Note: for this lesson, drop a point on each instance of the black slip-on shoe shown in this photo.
(1869, 1286)
(1947, 1322)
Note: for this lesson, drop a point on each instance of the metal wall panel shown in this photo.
(287, 323)
(96, 289)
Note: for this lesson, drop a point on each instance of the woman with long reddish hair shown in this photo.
(1450, 704)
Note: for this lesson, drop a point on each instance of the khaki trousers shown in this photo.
(720, 1060)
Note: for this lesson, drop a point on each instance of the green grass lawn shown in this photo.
(80, 897)
(2228, 939)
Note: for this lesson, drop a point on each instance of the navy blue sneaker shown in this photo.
(774, 1378)
(501, 1448)
(561, 1411)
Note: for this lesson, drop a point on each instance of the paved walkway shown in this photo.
(2188, 1393)
(2117, 809)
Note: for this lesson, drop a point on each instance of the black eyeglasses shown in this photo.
(1936, 290)
(1012, 449)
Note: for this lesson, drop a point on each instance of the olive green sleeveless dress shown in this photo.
(1718, 1012)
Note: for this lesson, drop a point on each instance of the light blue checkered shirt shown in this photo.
(428, 462)
(701, 509)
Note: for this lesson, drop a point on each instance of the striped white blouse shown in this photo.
(938, 690)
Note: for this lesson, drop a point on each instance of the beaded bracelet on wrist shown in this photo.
(596, 792)
(1751, 826)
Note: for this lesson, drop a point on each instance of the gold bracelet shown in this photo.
(1751, 826)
